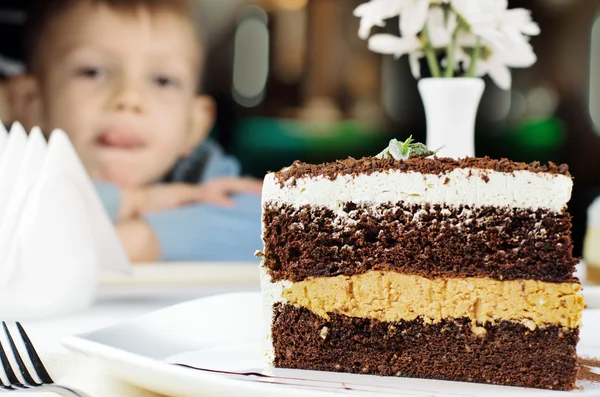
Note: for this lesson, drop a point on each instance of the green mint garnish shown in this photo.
(403, 150)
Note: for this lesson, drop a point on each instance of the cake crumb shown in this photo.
(590, 362)
(529, 324)
(586, 374)
(478, 330)
(324, 332)
(585, 371)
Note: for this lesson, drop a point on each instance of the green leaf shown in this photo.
(404, 150)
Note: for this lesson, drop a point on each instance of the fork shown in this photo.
(45, 383)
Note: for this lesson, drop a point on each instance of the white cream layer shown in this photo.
(462, 186)
(271, 294)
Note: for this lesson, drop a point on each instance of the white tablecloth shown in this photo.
(114, 304)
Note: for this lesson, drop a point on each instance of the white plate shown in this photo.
(186, 273)
(223, 333)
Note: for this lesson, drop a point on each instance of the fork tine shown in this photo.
(34, 356)
(10, 373)
(3, 385)
(24, 371)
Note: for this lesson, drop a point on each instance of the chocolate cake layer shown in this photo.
(430, 241)
(507, 354)
(429, 165)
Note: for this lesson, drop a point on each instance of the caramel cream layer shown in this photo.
(390, 296)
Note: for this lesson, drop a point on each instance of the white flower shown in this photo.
(413, 14)
(485, 29)
(375, 12)
(518, 55)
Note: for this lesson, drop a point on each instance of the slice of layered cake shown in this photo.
(422, 267)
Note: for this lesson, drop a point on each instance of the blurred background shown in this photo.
(292, 80)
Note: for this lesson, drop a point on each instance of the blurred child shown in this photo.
(121, 78)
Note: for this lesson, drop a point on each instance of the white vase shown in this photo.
(450, 108)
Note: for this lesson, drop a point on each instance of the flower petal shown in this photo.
(466, 39)
(520, 20)
(379, 9)
(439, 34)
(518, 53)
(375, 12)
(451, 22)
(500, 74)
(390, 44)
(460, 6)
(366, 25)
(415, 64)
(481, 69)
(480, 16)
(493, 7)
(414, 15)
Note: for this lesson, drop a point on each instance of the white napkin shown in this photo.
(26, 175)
(10, 162)
(55, 235)
(3, 136)
(87, 376)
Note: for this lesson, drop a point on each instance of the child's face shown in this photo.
(123, 87)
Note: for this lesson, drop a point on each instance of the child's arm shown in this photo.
(141, 241)
(129, 204)
(144, 200)
(196, 232)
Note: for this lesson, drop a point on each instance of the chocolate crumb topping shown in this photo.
(429, 165)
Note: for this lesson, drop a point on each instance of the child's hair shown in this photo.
(41, 13)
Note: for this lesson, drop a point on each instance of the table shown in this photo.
(114, 304)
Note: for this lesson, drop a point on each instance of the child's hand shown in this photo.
(217, 191)
(172, 195)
